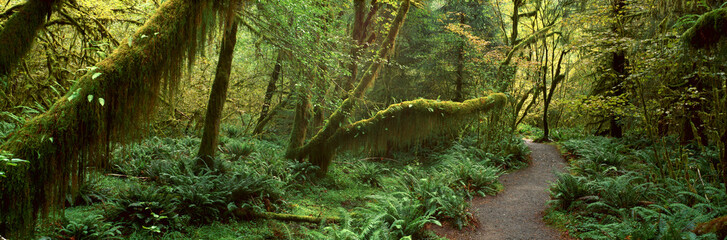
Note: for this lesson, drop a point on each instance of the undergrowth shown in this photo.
(153, 191)
(631, 189)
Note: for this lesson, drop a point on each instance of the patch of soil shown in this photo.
(517, 212)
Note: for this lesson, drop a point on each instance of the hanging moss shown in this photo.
(708, 30)
(18, 35)
(106, 104)
(402, 124)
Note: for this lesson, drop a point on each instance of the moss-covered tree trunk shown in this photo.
(18, 35)
(104, 105)
(317, 148)
(300, 125)
(208, 146)
(272, 86)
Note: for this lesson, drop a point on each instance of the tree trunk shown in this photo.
(207, 147)
(105, 104)
(300, 125)
(618, 65)
(272, 85)
(458, 94)
(18, 35)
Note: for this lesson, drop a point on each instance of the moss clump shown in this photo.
(402, 124)
(708, 30)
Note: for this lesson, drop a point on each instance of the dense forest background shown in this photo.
(266, 104)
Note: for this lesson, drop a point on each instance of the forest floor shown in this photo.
(517, 212)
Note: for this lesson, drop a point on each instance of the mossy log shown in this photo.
(106, 104)
(708, 30)
(717, 226)
(404, 123)
(18, 35)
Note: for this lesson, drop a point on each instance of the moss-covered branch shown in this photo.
(106, 104)
(320, 139)
(708, 30)
(404, 123)
(18, 35)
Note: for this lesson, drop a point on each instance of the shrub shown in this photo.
(474, 178)
(239, 149)
(146, 207)
(435, 196)
(567, 190)
(370, 173)
(395, 216)
(91, 191)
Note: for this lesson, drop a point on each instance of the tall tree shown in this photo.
(272, 86)
(218, 95)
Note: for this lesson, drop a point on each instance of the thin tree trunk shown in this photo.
(271, 114)
(458, 94)
(18, 35)
(218, 96)
(272, 86)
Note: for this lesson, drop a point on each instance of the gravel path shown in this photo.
(517, 212)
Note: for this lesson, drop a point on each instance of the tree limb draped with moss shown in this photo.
(315, 149)
(18, 35)
(114, 98)
(404, 123)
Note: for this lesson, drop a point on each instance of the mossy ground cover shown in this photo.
(149, 192)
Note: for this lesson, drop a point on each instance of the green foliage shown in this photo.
(233, 131)
(620, 192)
(93, 190)
(239, 149)
(147, 208)
(5, 129)
(90, 227)
(602, 152)
(567, 190)
(473, 177)
(639, 200)
(435, 195)
(371, 173)
(529, 131)
(395, 216)
(7, 160)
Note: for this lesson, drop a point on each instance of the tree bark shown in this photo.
(18, 35)
(208, 146)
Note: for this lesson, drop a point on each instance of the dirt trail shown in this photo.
(517, 212)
